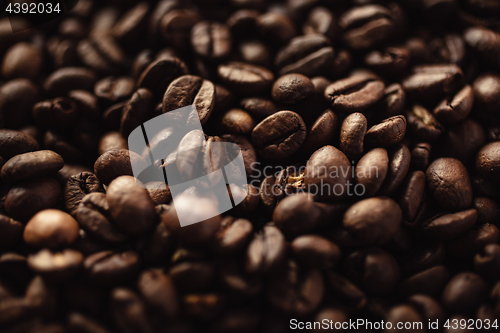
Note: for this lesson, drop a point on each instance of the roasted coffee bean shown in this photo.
(345, 292)
(112, 116)
(371, 171)
(31, 165)
(488, 211)
(10, 230)
(403, 315)
(486, 88)
(115, 163)
(485, 42)
(266, 251)
(422, 125)
(328, 174)
(62, 145)
(259, 108)
(373, 221)
(66, 79)
(486, 263)
(432, 81)
(159, 192)
(51, 228)
(449, 183)
(247, 151)
(242, 22)
(255, 52)
(192, 276)
(27, 198)
(245, 79)
(291, 88)
(399, 164)
(321, 133)
(488, 163)
(42, 296)
(14, 143)
(308, 55)
(59, 113)
(211, 40)
(78, 322)
(130, 205)
(17, 98)
(464, 293)
(455, 109)
(160, 73)
(389, 62)
(463, 140)
(102, 54)
(389, 132)
(315, 251)
(279, 135)
(59, 266)
(355, 93)
(321, 21)
(450, 225)
(109, 268)
(392, 103)
(233, 236)
(112, 90)
(276, 27)
(352, 135)
(412, 194)
(159, 292)
(236, 121)
(449, 49)
(86, 103)
(296, 214)
(136, 111)
(111, 141)
(175, 27)
(128, 311)
(132, 24)
(428, 282)
(204, 307)
(473, 241)
(247, 196)
(22, 60)
(77, 187)
(190, 90)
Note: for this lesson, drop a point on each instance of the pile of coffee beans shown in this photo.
(370, 133)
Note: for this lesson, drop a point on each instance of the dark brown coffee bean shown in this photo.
(390, 61)
(22, 60)
(42, 296)
(159, 292)
(455, 109)
(86, 103)
(29, 197)
(157, 245)
(399, 164)
(59, 113)
(59, 266)
(463, 140)
(296, 214)
(11, 231)
(291, 88)
(112, 90)
(268, 192)
(389, 132)
(111, 141)
(465, 292)
(321, 133)
(131, 26)
(486, 88)
(412, 194)
(345, 292)
(245, 79)
(242, 22)
(485, 42)
(31, 165)
(109, 268)
(175, 27)
(488, 162)
(233, 236)
(77, 187)
(204, 307)
(392, 103)
(371, 170)
(473, 241)
(404, 316)
(17, 98)
(266, 252)
(136, 111)
(159, 192)
(192, 276)
(488, 211)
(328, 174)
(130, 205)
(62, 81)
(321, 21)
(115, 163)
(247, 151)
(449, 183)
(309, 55)
(14, 143)
(428, 282)
(373, 221)
(236, 121)
(352, 135)
(276, 27)
(160, 73)
(279, 135)
(420, 156)
(102, 54)
(211, 40)
(51, 228)
(259, 108)
(190, 90)
(450, 225)
(486, 263)
(422, 125)
(129, 312)
(432, 81)
(63, 146)
(79, 323)
(315, 251)
(355, 93)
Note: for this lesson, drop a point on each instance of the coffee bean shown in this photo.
(190, 90)
(111, 141)
(473, 241)
(59, 266)
(51, 228)
(403, 315)
(486, 88)
(245, 79)
(204, 307)
(449, 183)
(128, 311)
(132, 25)
(111, 90)
(211, 40)
(77, 187)
(27, 198)
(486, 263)
(42, 296)
(86, 103)
(130, 205)
(276, 27)
(355, 93)
(237, 121)
(428, 282)
(279, 135)
(321, 21)
(59, 113)
(321, 133)
(392, 103)
(412, 194)
(371, 170)
(291, 88)
(160, 73)
(309, 55)
(136, 111)
(455, 109)
(159, 292)
(389, 132)
(464, 293)
(450, 225)
(108, 268)
(345, 292)
(352, 135)
(10, 230)
(31, 165)
(488, 163)
(488, 211)
(373, 221)
(14, 143)
(17, 98)
(247, 151)
(62, 81)
(391, 61)
(399, 164)
(463, 140)
(62, 145)
(22, 60)
(315, 251)
(78, 322)
(432, 81)
(422, 125)
(266, 251)
(192, 276)
(485, 42)
(175, 27)
(115, 163)
(296, 214)
(102, 54)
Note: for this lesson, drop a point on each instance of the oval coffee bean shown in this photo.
(486, 263)
(160, 73)
(279, 135)
(486, 89)
(14, 143)
(22, 60)
(422, 125)
(159, 292)
(108, 268)
(115, 163)
(291, 88)
(136, 111)
(399, 164)
(17, 98)
(455, 109)
(112, 90)
(79, 186)
(449, 182)
(464, 293)
(488, 162)
(321, 133)
(428, 282)
(352, 135)
(373, 221)
(31, 165)
(102, 54)
(296, 214)
(11, 231)
(485, 42)
(389, 132)
(211, 40)
(266, 251)
(51, 228)
(130, 206)
(245, 79)
(371, 170)
(412, 194)
(450, 225)
(233, 235)
(59, 266)
(315, 251)
(62, 81)
(428, 82)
